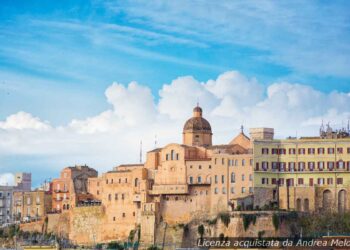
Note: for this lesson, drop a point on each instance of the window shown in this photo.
(233, 177)
(339, 150)
(320, 165)
(120, 180)
(172, 155)
(339, 181)
(251, 162)
(167, 157)
(216, 179)
(330, 150)
(291, 166)
(250, 190)
(265, 165)
(243, 190)
(265, 151)
(320, 181)
(216, 190)
(243, 177)
(116, 196)
(274, 151)
(177, 157)
(292, 151)
(311, 165)
(300, 181)
(123, 196)
(222, 178)
(209, 166)
(191, 179)
(274, 166)
(311, 182)
(243, 162)
(250, 177)
(106, 181)
(236, 162)
(136, 182)
(341, 164)
(301, 151)
(329, 181)
(113, 218)
(112, 181)
(224, 190)
(348, 150)
(301, 166)
(215, 161)
(265, 181)
(282, 151)
(232, 190)
(281, 181)
(199, 179)
(223, 161)
(273, 181)
(199, 167)
(320, 151)
(311, 151)
(109, 197)
(330, 165)
(123, 215)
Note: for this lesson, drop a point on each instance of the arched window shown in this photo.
(172, 155)
(136, 182)
(233, 177)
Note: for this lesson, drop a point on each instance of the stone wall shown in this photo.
(58, 224)
(35, 226)
(86, 225)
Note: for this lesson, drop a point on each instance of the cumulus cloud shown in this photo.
(23, 120)
(7, 179)
(113, 136)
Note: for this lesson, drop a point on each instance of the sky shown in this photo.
(83, 82)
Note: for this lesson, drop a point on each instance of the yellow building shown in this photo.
(305, 174)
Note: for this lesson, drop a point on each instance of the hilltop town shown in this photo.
(190, 185)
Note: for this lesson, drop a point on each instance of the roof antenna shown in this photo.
(155, 141)
(141, 151)
(242, 128)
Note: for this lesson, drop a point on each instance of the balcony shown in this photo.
(169, 189)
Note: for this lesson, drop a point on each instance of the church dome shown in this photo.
(197, 123)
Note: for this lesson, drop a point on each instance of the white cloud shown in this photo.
(114, 135)
(7, 179)
(23, 120)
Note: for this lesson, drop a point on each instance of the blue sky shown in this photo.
(57, 58)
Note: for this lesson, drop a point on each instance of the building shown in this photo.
(31, 205)
(177, 183)
(70, 187)
(22, 183)
(305, 174)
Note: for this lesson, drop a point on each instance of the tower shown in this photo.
(197, 130)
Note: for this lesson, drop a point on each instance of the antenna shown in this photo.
(242, 128)
(141, 151)
(155, 141)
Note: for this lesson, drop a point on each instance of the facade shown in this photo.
(306, 174)
(22, 183)
(72, 184)
(32, 205)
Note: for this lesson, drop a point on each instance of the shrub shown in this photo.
(115, 245)
(275, 221)
(201, 230)
(153, 247)
(225, 218)
(247, 219)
